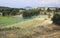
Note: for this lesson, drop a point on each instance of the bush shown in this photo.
(10, 28)
(30, 13)
(56, 19)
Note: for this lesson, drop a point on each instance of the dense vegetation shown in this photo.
(10, 28)
(30, 13)
(7, 11)
(16, 27)
(56, 19)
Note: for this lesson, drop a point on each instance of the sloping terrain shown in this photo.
(43, 30)
(33, 28)
(49, 31)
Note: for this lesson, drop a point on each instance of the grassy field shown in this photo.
(27, 28)
(49, 31)
(5, 20)
(19, 22)
(11, 23)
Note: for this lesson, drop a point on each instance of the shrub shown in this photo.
(10, 28)
(30, 13)
(56, 19)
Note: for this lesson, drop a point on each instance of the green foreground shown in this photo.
(19, 22)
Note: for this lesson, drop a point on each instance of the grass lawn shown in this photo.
(28, 24)
(28, 27)
(18, 22)
(4, 20)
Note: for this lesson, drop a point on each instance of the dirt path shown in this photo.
(52, 35)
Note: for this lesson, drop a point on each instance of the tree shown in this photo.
(14, 11)
(48, 10)
(30, 13)
(45, 13)
(56, 10)
(56, 19)
(6, 11)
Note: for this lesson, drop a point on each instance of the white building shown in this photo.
(46, 8)
(21, 10)
(0, 13)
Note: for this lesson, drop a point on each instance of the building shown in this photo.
(46, 8)
(0, 13)
(53, 8)
(28, 8)
(21, 10)
(41, 8)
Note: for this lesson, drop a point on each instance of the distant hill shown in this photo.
(3, 7)
(6, 11)
(28, 7)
